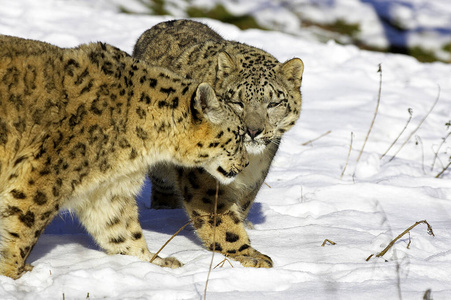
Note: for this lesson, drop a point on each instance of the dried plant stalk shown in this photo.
(222, 263)
(383, 252)
(327, 241)
(315, 139)
(374, 117)
(419, 125)
(410, 241)
(438, 149)
(215, 214)
(170, 239)
(444, 169)
(427, 295)
(402, 131)
(349, 154)
(419, 141)
(369, 257)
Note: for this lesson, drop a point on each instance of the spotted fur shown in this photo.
(263, 91)
(79, 129)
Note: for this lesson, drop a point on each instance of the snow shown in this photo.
(381, 23)
(304, 202)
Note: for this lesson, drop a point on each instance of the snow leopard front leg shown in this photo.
(229, 237)
(110, 215)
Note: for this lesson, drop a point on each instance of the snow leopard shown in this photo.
(79, 128)
(261, 90)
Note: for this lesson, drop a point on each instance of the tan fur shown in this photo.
(264, 92)
(79, 129)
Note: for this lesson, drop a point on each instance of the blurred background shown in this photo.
(420, 28)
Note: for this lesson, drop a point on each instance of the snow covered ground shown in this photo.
(304, 202)
(418, 27)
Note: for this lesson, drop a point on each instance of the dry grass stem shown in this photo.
(438, 149)
(369, 257)
(221, 264)
(410, 241)
(214, 238)
(419, 141)
(402, 131)
(349, 154)
(315, 139)
(419, 125)
(444, 169)
(170, 239)
(327, 241)
(267, 184)
(374, 118)
(173, 236)
(427, 295)
(383, 252)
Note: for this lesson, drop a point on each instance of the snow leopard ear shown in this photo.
(293, 70)
(206, 104)
(226, 64)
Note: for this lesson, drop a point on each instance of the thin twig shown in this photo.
(427, 295)
(170, 239)
(410, 241)
(327, 241)
(173, 236)
(374, 117)
(383, 252)
(420, 141)
(221, 264)
(214, 238)
(315, 139)
(419, 125)
(402, 131)
(444, 169)
(398, 276)
(349, 154)
(438, 149)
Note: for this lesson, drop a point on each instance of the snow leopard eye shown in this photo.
(273, 104)
(276, 104)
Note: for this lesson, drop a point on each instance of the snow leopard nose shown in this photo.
(254, 132)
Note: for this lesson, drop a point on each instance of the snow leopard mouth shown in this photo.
(256, 146)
